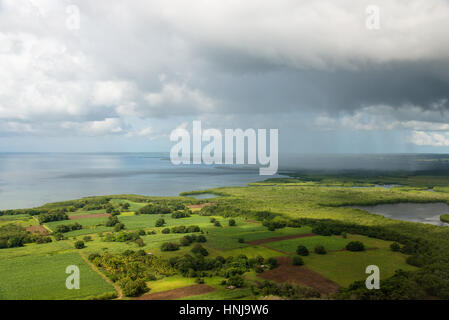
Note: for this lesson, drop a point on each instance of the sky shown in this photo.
(334, 76)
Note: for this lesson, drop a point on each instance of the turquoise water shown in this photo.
(28, 180)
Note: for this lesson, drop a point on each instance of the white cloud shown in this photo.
(433, 139)
(178, 97)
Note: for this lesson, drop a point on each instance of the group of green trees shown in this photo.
(181, 214)
(162, 207)
(132, 269)
(113, 221)
(184, 241)
(63, 228)
(182, 229)
(285, 290)
(199, 265)
(52, 216)
(13, 235)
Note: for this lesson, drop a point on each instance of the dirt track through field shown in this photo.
(87, 216)
(179, 293)
(286, 272)
(268, 240)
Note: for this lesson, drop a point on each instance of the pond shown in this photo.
(413, 212)
(203, 196)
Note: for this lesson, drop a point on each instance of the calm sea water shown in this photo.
(28, 180)
(413, 212)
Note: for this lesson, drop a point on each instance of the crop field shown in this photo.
(43, 277)
(345, 267)
(328, 242)
(37, 271)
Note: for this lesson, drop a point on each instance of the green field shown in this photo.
(43, 277)
(329, 243)
(345, 267)
(36, 271)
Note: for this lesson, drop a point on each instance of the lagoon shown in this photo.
(413, 212)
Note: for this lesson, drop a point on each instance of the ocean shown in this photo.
(32, 179)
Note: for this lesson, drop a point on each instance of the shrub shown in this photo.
(67, 228)
(87, 238)
(444, 218)
(140, 242)
(92, 256)
(272, 262)
(217, 223)
(201, 238)
(200, 250)
(199, 280)
(232, 223)
(191, 229)
(133, 288)
(320, 250)
(297, 261)
(112, 221)
(180, 214)
(302, 250)
(166, 230)
(185, 241)
(160, 222)
(355, 246)
(241, 240)
(169, 246)
(416, 260)
(236, 281)
(395, 247)
(79, 244)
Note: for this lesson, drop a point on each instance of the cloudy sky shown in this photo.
(331, 75)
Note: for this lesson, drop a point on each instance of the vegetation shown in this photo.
(217, 244)
(63, 228)
(297, 261)
(302, 250)
(80, 244)
(320, 250)
(355, 246)
(444, 218)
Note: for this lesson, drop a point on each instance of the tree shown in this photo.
(79, 244)
(355, 246)
(232, 223)
(395, 247)
(200, 250)
(160, 222)
(236, 281)
(297, 261)
(169, 246)
(272, 262)
(302, 251)
(140, 242)
(320, 250)
(185, 241)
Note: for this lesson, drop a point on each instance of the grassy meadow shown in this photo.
(37, 271)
